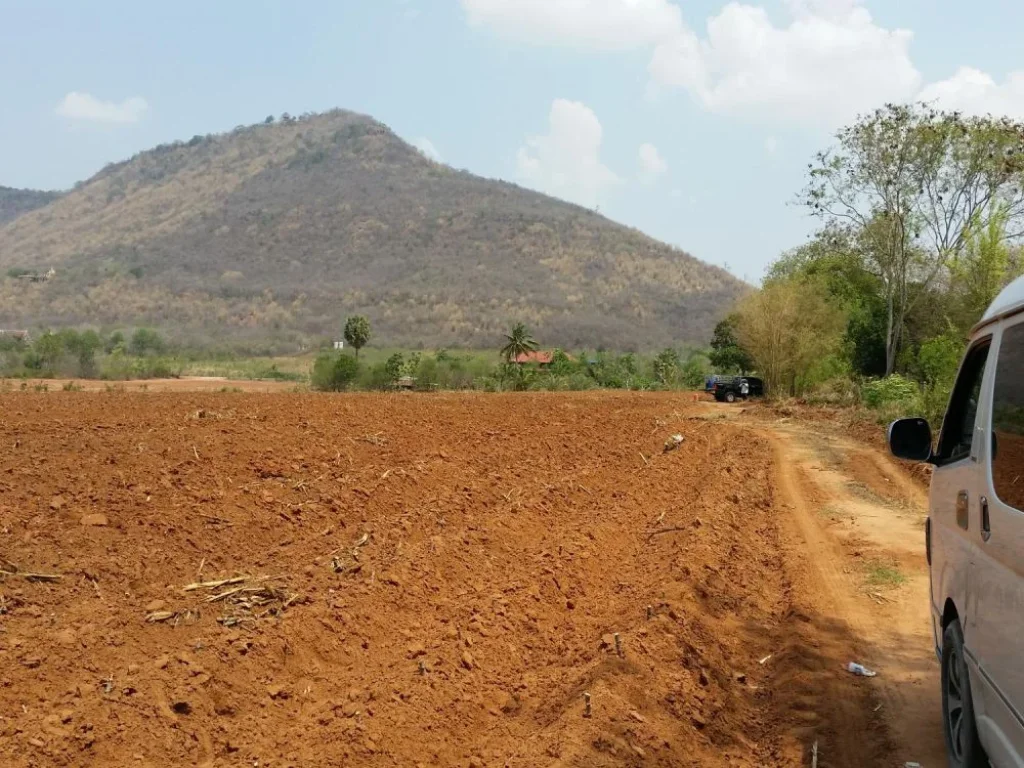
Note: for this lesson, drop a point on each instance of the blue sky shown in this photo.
(692, 121)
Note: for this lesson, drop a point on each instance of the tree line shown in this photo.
(336, 371)
(920, 211)
(86, 354)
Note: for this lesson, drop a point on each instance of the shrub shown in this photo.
(839, 391)
(144, 341)
(561, 365)
(694, 370)
(156, 368)
(893, 389)
(666, 366)
(893, 397)
(394, 367)
(939, 358)
(114, 341)
(334, 373)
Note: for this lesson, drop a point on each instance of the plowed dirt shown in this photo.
(410, 580)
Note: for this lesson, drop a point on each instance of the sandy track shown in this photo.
(443, 579)
(853, 511)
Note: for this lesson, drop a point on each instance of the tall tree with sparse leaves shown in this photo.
(357, 332)
(908, 184)
(518, 342)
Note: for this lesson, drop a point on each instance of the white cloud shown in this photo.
(975, 92)
(830, 62)
(605, 24)
(426, 146)
(771, 145)
(823, 61)
(827, 62)
(84, 106)
(652, 164)
(566, 162)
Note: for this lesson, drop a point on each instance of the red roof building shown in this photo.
(539, 357)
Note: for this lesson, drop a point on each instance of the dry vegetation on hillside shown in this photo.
(15, 202)
(279, 230)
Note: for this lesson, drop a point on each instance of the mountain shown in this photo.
(15, 202)
(273, 233)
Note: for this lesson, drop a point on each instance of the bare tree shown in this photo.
(907, 183)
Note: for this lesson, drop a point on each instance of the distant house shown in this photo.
(541, 358)
(339, 345)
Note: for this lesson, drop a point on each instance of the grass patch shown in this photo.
(833, 512)
(253, 369)
(826, 451)
(864, 493)
(885, 575)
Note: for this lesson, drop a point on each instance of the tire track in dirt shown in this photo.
(894, 717)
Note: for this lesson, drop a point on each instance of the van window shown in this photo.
(958, 426)
(1008, 419)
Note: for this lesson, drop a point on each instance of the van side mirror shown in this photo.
(911, 439)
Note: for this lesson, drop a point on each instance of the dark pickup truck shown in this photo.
(729, 390)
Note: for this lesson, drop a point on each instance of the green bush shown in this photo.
(394, 367)
(375, 377)
(666, 367)
(156, 368)
(272, 373)
(891, 390)
(334, 373)
(938, 359)
(694, 371)
(145, 341)
(515, 378)
(840, 391)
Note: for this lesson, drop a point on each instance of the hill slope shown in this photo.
(15, 202)
(277, 231)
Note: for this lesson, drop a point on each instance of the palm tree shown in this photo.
(519, 342)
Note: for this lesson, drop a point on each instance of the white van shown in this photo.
(975, 539)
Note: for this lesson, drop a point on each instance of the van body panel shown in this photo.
(951, 550)
(977, 524)
(996, 726)
(997, 562)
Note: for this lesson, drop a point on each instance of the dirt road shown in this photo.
(858, 522)
(225, 579)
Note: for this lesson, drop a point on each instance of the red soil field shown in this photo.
(407, 580)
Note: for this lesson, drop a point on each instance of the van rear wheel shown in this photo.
(962, 743)
(730, 397)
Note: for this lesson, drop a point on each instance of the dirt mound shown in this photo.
(385, 580)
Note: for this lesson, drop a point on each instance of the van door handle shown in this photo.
(962, 509)
(986, 523)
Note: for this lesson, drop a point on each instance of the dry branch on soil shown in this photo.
(9, 570)
(338, 563)
(214, 584)
(247, 599)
